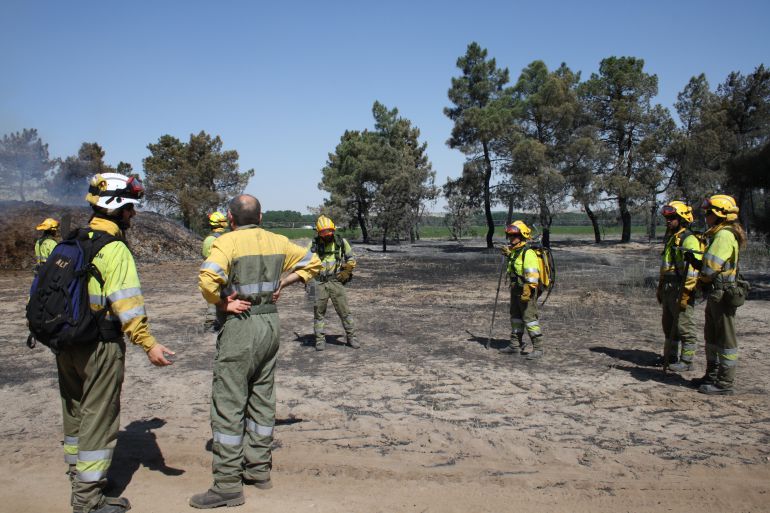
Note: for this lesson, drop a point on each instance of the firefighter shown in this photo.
(338, 261)
(218, 223)
(676, 290)
(242, 276)
(525, 276)
(718, 272)
(91, 376)
(46, 242)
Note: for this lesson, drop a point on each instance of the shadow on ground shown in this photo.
(136, 447)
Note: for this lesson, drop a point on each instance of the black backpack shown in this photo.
(58, 312)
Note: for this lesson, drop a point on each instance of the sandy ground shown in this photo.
(423, 418)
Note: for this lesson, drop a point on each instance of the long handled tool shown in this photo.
(497, 295)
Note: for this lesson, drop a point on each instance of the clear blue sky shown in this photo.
(281, 82)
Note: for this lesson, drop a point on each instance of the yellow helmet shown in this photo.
(217, 220)
(49, 224)
(723, 206)
(324, 224)
(677, 208)
(109, 192)
(518, 228)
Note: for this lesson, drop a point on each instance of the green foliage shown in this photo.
(636, 133)
(24, 164)
(190, 180)
(482, 116)
(379, 179)
(70, 183)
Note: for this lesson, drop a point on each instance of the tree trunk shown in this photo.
(412, 235)
(509, 217)
(487, 196)
(362, 225)
(625, 218)
(594, 222)
(545, 221)
(653, 219)
(384, 241)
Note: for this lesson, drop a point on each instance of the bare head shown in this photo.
(245, 209)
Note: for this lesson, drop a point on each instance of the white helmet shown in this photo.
(109, 192)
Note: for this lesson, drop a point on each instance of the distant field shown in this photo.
(441, 232)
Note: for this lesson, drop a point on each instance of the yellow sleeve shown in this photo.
(693, 244)
(124, 294)
(301, 261)
(215, 270)
(531, 269)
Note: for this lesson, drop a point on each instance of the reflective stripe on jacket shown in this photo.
(249, 261)
(672, 260)
(522, 265)
(43, 247)
(122, 293)
(721, 257)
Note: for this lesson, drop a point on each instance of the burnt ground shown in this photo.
(423, 417)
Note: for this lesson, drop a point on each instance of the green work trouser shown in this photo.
(335, 291)
(524, 316)
(683, 332)
(721, 343)
(243, 400)
(90, 380)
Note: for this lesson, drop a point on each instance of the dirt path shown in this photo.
(423, 418)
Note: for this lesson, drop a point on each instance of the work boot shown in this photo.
(703, 380)
(320, 345)
(211, 499)
(510, 349)
(714, 389)
(113, 505)
(352, 342)
(535, 354)
(680, 367)
(262, 484)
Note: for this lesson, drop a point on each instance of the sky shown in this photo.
(280, 82)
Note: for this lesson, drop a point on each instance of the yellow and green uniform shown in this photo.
(91, 376)
(719, 270)
(209, 241)
(209, 321)
(672, 279)
(43, 247)
(335, 256)
(524, 273)
(249, 262)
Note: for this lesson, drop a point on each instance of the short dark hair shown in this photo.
(245, 209)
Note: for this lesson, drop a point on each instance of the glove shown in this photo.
(506, 250)
(344, 276)
(659, 293)
(526, 294)
(684, 300)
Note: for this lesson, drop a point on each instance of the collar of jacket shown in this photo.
(247, 227)
(218, 230)
(519, 245)
(105, 225)
(714, 229)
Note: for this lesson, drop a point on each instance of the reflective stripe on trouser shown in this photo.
(524, 316)
(684, 331)
(721, 343)
(90, 381)
(244, 382)
(335, 291)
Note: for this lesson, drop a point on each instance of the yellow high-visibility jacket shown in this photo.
(721, 257)
(249, 261)
(327, 253)
(522, 265)
(43, 247)
(122, 292)
(673, 263)
(209, 240)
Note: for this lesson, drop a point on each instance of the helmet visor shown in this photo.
(134, 187)
(669, 211)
